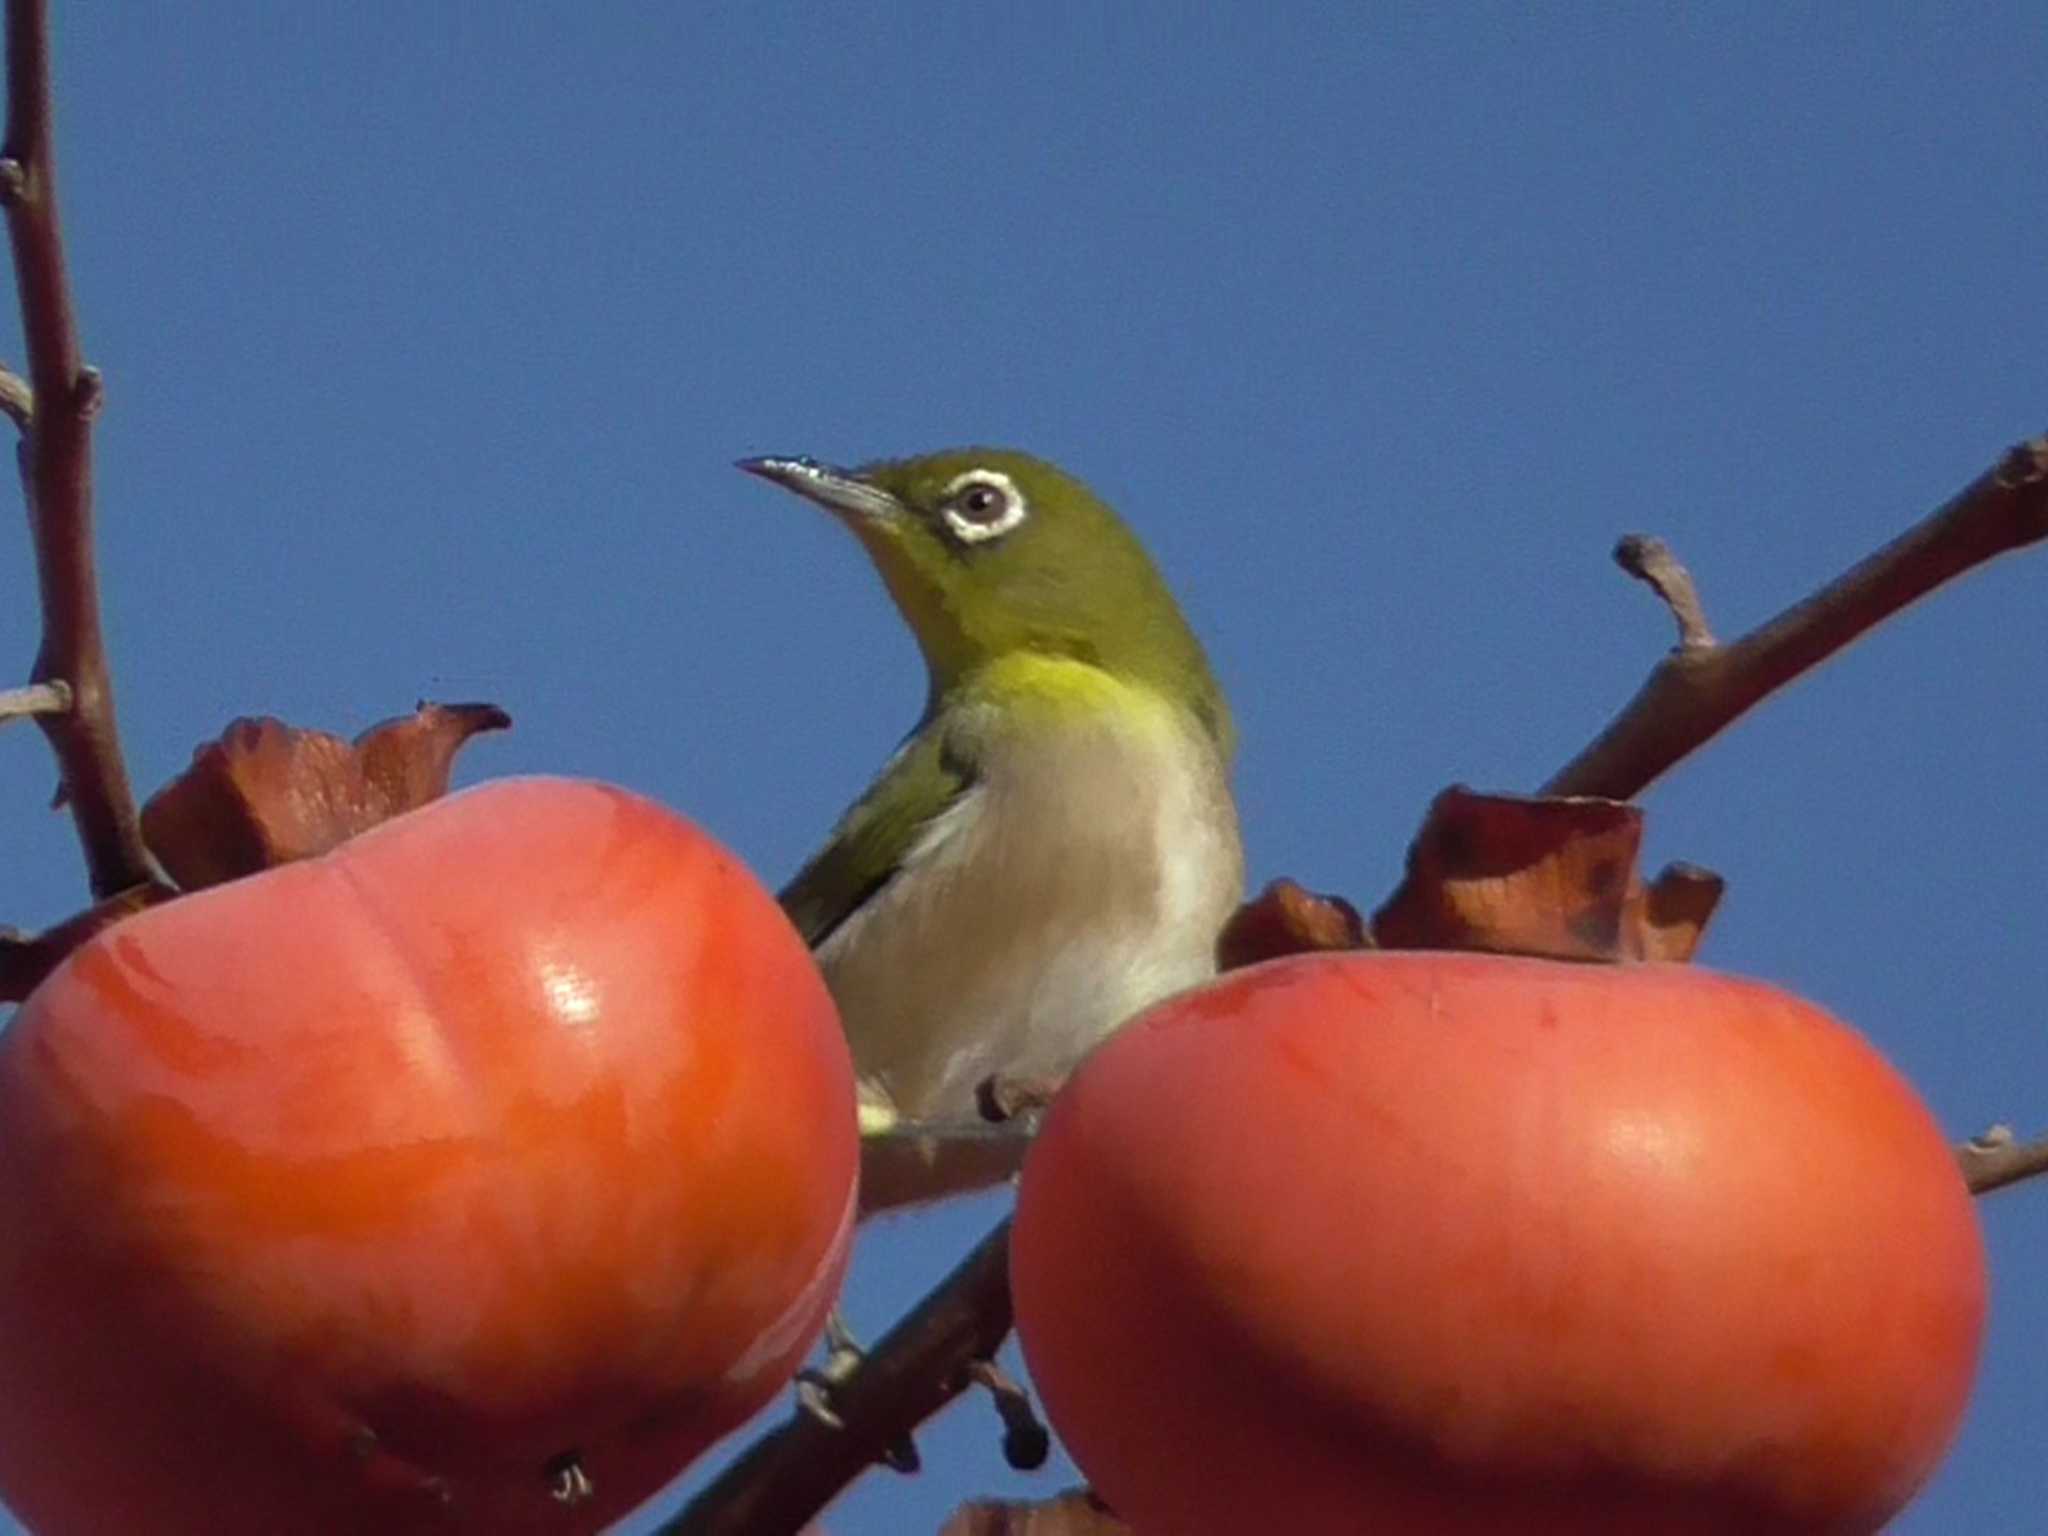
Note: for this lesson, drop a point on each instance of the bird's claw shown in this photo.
(814, 1397)
(818, 1387)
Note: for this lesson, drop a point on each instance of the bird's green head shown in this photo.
(989, 552)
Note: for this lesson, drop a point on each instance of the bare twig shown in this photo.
(51, 698)
(1997, 1157)
(922, 1364)
(1700, 688)
(57, 473)
(17, 400)
(1650, 560)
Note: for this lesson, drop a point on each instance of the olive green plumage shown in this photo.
(868, 845)
(1055, 844)
(1071, 580)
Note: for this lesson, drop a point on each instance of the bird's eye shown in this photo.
(982, 504)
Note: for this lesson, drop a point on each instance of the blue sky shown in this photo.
(431, 334)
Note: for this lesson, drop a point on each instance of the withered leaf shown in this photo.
(267, 793)
(1671, 917)
(1542, 876)
(1288, 919)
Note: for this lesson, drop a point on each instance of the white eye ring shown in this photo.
(966, 529)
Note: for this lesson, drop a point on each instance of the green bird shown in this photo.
(1054, 845)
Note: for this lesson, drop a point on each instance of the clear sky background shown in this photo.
(431, 332)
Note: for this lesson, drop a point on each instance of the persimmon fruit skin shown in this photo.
(1467, 1244)
(363, 1193)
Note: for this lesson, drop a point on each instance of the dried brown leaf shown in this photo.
(1287, 919)
(267, 793)
(1073, 1513)
(1672, 916)
(1542, 876)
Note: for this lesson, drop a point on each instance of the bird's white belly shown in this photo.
(1078, 880)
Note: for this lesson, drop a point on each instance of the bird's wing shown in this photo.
(872, 840)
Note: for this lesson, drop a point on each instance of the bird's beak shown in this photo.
(838, 491)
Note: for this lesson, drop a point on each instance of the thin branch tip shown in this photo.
(1689, 698)
(1650, 560)
(17, 400)
(1996, 1157)
(2025, 463)
(2022, 475)
(56, 469)
(50, 698)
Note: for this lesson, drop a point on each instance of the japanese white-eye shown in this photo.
(1054, 845)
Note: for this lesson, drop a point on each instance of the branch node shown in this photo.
(88, 392)
(1650, 561)
(2024, 464)
(13, 181)
(1027, 1443)
(901, 1456)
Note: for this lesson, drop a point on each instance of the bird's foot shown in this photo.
(818, 1388)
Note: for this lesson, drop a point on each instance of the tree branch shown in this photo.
(57, 473)
(1995, 1158)
(919, 1366)
(1697, 690)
